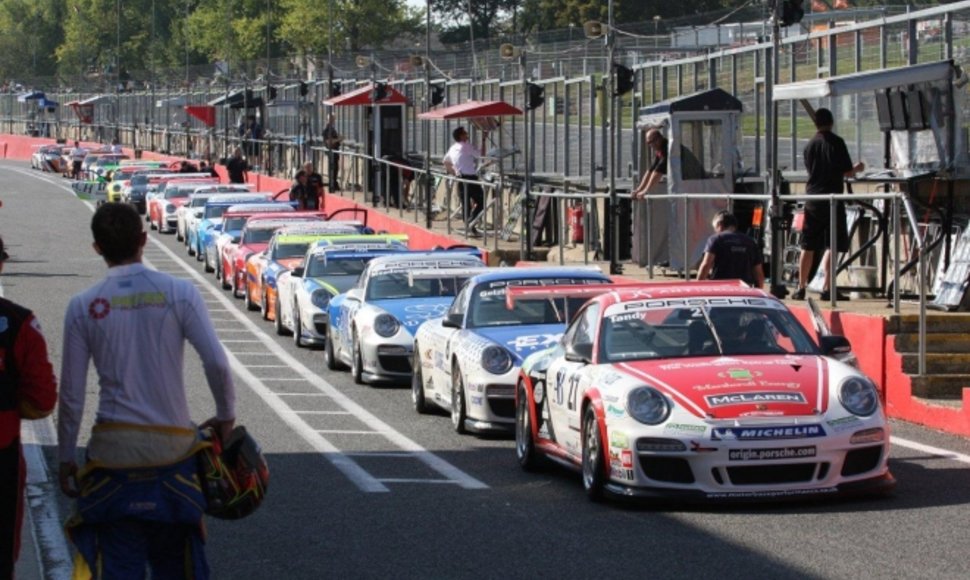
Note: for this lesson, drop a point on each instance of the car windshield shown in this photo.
(488, 307)
(396, 285)
(174, 192)
(234, 224)
(215, 211)
(669, 332)
(258, 236)
(319, 267)
(199, 202)
(285, 251)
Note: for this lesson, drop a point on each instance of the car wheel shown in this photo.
(248, 301)
(235, 287)
(263, 303)
(278, 322)
(525, 445)
(222, 278)
(207, 267)
(297, 326)
(417, 385)
(151, 224)
(458, 412)
(190, 248)
(329, 357)
(199, 256)
(593, 478)
(357, 366)
(178, 235)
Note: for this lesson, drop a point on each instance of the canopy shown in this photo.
(362, 97)
(24, 97)
(45, 103)
(866, 81)
(471, 109)
(710, 100)
(204, 113)
(85, 113)
(238, 100)
(179, 101)
(95, 100)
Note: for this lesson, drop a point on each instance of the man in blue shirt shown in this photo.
(730, 255)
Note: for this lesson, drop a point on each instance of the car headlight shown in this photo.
(859, 397)
(647, 405)
(169, 208)
(386, 325)
(321, 299)
(496, 360)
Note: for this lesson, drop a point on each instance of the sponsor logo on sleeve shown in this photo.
(766, 433)
(753, 398)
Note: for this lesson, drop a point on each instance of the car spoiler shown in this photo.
(515, 294)
(365, 240)
(438, 273)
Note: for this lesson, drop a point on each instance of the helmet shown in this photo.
(235, 475)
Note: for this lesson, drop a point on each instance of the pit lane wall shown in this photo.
(874, 349)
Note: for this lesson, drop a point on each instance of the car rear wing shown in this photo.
(439, 273)
(515, 294)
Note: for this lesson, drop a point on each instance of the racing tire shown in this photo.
(199, 256)
(205, 261)
(297, 325)
(458, 411)
(178, 236)
(189, 248)
(329, 357)
(593, 476)
(525, 446)
(250, 305)
(222, 279)
(278, 323)
(357, 366)
(263, 303)
(417, 386)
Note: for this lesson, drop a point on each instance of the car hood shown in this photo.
(739, 386)
(247, 249)
(412, 312)
(290, 263)
(521, 341)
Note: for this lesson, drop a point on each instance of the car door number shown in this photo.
(573, 391)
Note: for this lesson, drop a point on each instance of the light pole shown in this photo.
(656, 32)
(426, 129)
(614, 221)
(117, 67)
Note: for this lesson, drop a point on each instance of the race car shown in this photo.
(163, 205)
(192, 209)
(210, 214)
(285, 252)
(143, 186)
(48, 158)
(213, 236)
(305, 292)
(467, 362)
(254, 239)
(235, 220)
(700, 391)
(371, 326)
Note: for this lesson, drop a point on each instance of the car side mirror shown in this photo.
(580, 353)
(298, 272)
(236, 239)
(834, 345)
(453, 320)
(354, 294)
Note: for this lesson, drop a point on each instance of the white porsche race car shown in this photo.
(701, 391)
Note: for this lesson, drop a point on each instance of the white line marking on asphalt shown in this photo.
(253, 354)
(52, 554)
(353, 471)
(266, 366)
(238, 340)
(303, 395)
(929, 449)
(324, 413)
(403, 480)
(288, 379)
(380, 454)
(347, 432)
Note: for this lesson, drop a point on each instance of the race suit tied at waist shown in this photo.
(130, 446)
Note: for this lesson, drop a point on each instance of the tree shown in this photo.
(482, 13)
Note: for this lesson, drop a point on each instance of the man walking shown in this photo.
(78, 154)
(730, 255)
(828, 163)
(462, 161)
(28, 390)
(332, 139)
(139, 503)
(314, 185)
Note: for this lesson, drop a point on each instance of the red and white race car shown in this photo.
(701, 390)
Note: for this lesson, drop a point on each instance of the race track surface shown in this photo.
(362, 487)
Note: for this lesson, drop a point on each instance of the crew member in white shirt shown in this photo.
(134, 324)
(462, 160)
(77, 158)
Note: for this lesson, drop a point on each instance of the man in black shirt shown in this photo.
(314, 187)
(828, 163)
(659, 166)
(332, 139)
(237, 167)
(730, 255)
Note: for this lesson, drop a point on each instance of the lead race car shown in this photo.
(371, 326)
(468, 361)
(705, 391)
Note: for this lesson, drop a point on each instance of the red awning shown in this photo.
(471, 109)
(85, 113)
(362, 97)
(204, 113)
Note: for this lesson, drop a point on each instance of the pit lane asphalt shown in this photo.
(316, 522)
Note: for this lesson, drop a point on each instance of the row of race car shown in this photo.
(695, 391)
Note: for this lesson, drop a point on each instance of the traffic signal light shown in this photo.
(624, 79)
(304, 89)
(380, 92)
(791, 12)
(437, 95)
(536, 96)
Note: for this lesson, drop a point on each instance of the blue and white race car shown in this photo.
(211, 215)
(372, 325)
(304, 293)
(468, 361)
